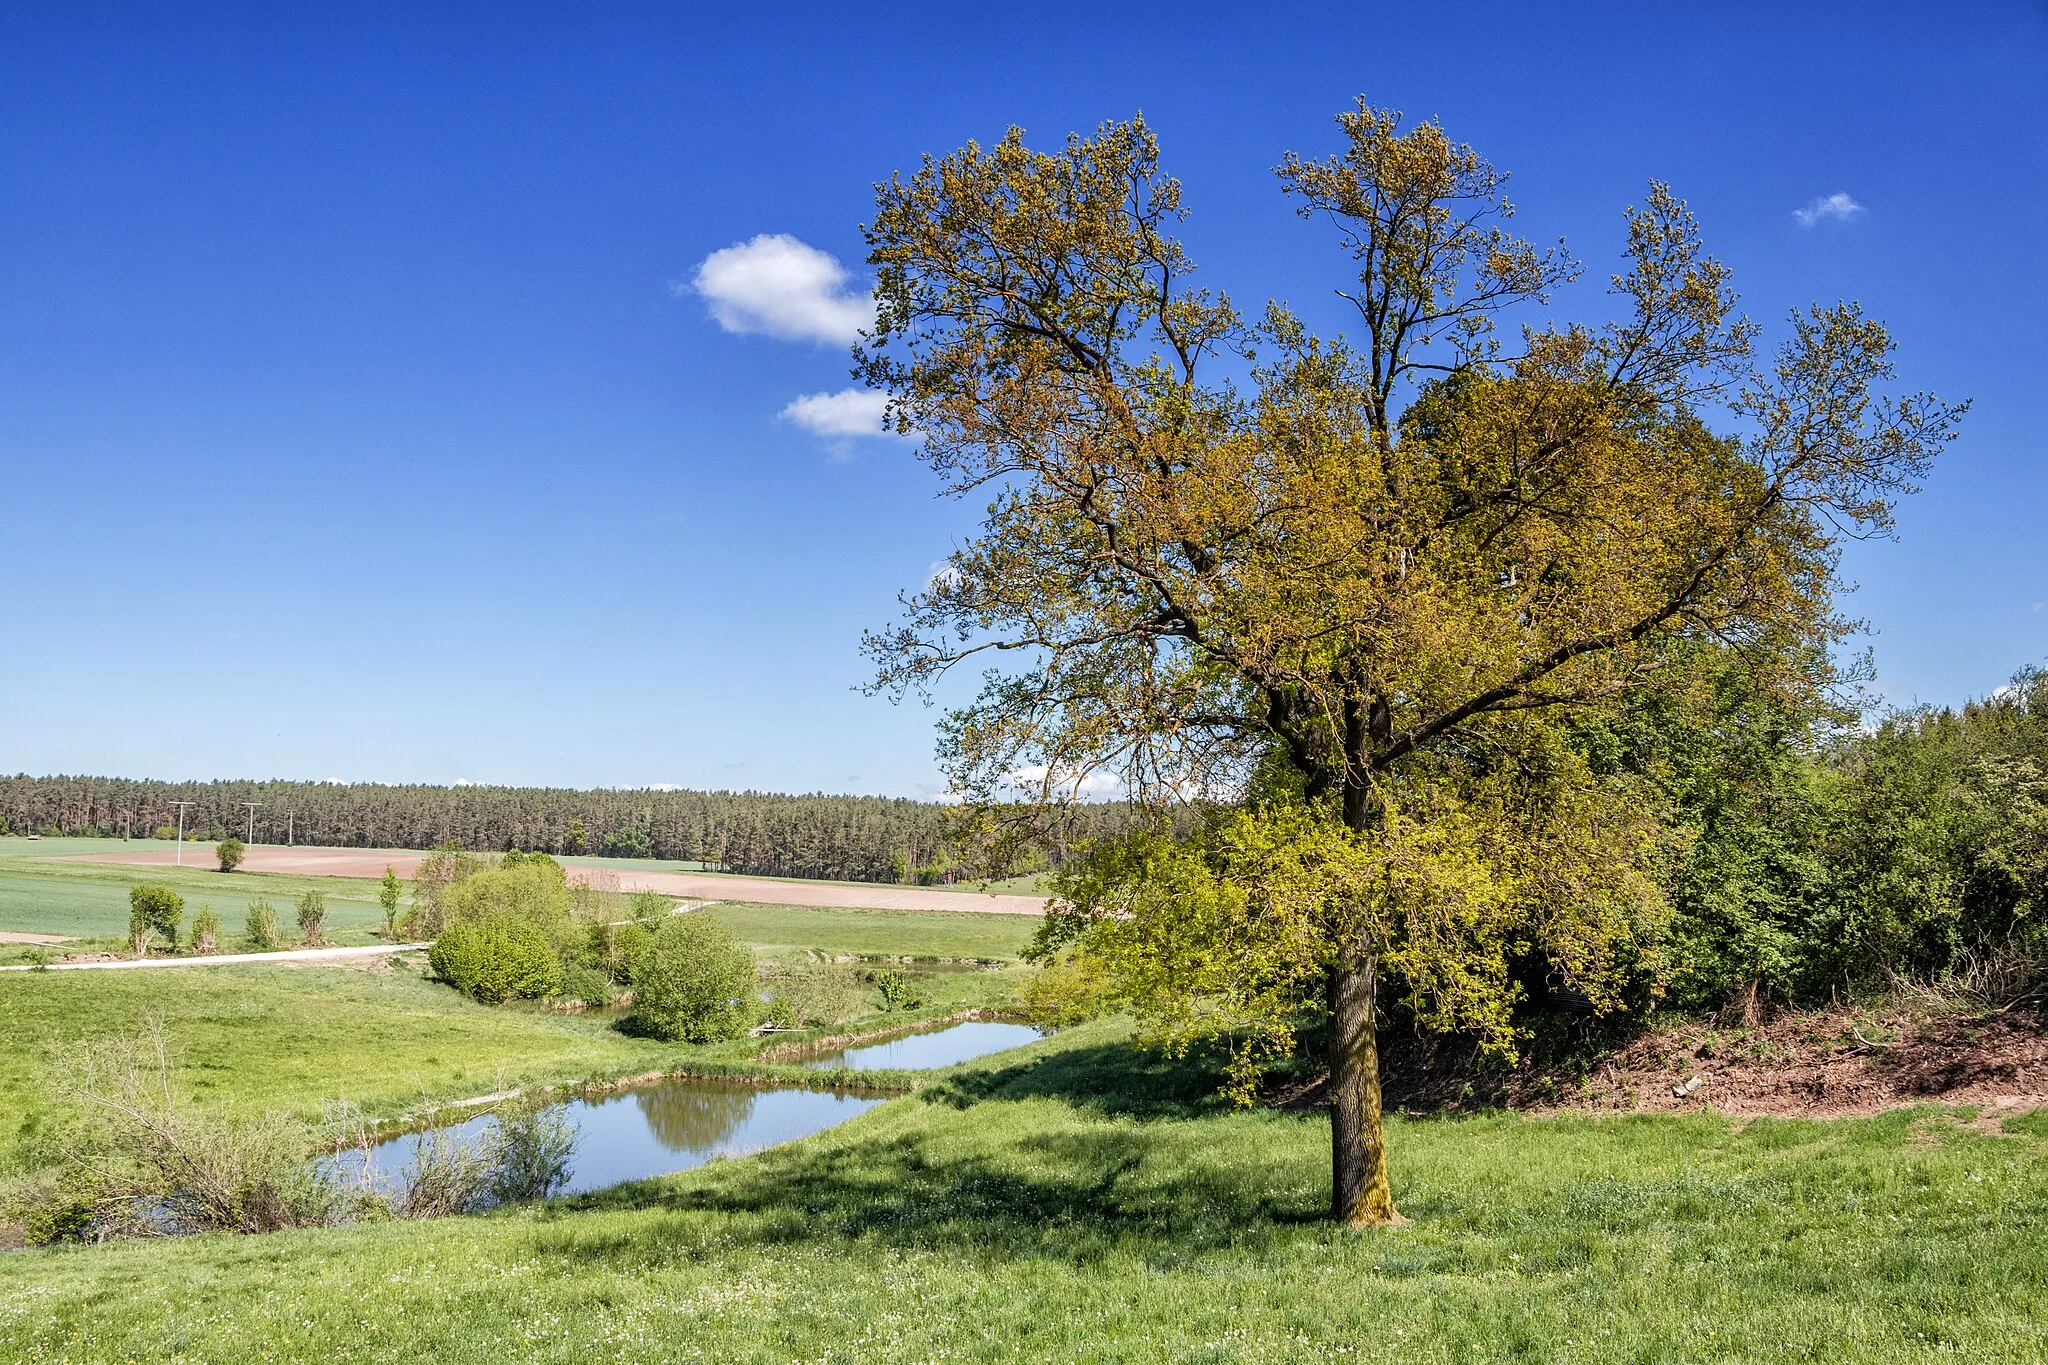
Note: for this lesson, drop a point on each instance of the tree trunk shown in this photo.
(1359, 1193)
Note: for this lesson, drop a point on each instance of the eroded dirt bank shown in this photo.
(1816, 1064)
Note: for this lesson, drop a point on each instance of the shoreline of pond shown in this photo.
(774, 1066)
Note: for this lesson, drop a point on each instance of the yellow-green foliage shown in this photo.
(528, 887)
(1229, 933)
(153, 909)
(496, 957)
(1067, 990)
(696, 983)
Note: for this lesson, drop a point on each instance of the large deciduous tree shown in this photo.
(1346, 591)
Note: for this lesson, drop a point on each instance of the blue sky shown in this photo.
(352, 425)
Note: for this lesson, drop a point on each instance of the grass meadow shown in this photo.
(383, 1036)
(90, 900)
(1074, 1200)
(1087, 1203)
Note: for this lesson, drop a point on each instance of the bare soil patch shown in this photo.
(1811, 1064)
(351, 862)
(10, 936)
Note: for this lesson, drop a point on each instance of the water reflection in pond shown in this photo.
(672, 1126)
(941, 1047)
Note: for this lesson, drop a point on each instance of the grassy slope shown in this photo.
(288, 1037)
(925, 933)
(1095, 1207)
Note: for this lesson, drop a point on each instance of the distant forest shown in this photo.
(846, 838)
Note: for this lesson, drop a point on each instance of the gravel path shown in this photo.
(228, 959)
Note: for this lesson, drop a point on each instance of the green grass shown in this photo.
(1091, 1205)
(90, 900)
(924, 933)
(287, 1037)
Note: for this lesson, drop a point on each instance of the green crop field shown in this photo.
(1094, 1205)
(90, 900)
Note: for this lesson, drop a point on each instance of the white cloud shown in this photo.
(941, 572)
(1032, 778)
(837, 416)
(1838, 207)
(781, 287)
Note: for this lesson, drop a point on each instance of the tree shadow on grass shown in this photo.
(1106, 1080)
(1122, 1170)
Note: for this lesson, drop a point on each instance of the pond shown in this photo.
(922, 1051)
(656, 1129)
(677, 1124)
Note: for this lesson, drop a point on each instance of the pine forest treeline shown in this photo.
(851, 838)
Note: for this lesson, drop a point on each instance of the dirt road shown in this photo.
(708, 886)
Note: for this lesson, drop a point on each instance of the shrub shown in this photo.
(230, 851)
(261, 927)
(523, 1156)
(531, 1154)
(389, 890)
(153, 909)
(497, 958)
(614, 949)
(897, 991)
(445, 1176)
(587, 984)
(695, 984)
(63, 1214)
(815, 994)
(527, 886)
(650, 907)
(1065, 992)
(438, 874)
(163, 832)
(313, 919)
(153, 1162)
(205, 930)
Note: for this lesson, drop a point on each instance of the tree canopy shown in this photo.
(1349, 591)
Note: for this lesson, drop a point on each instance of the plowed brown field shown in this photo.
(352, 862)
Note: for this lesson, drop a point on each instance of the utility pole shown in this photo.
(181, 828)
(288, 827)
(252, 805)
